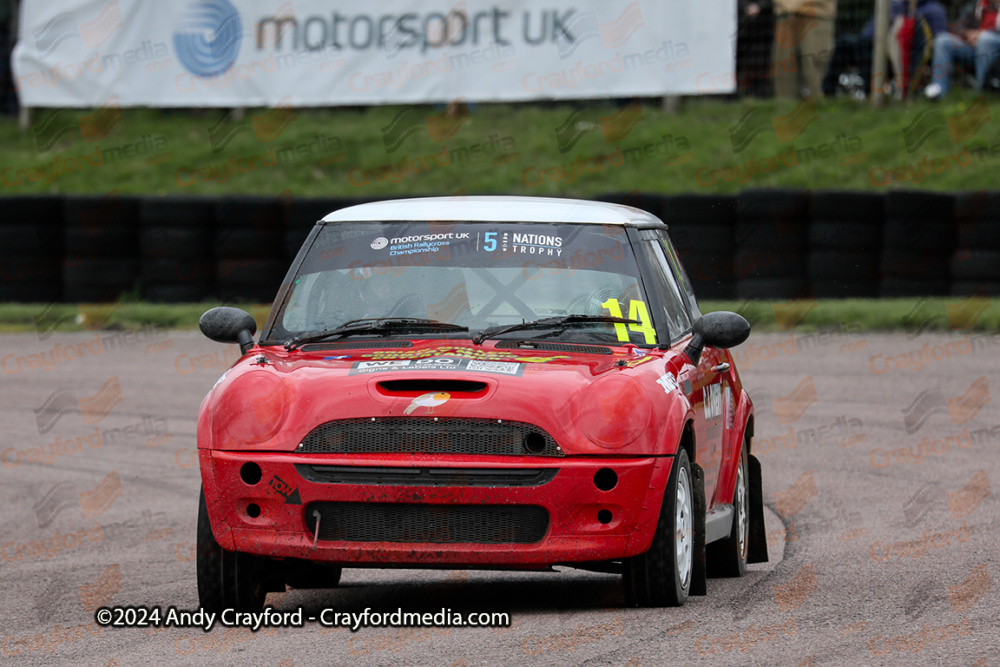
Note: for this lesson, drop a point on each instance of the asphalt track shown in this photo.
(877, 479)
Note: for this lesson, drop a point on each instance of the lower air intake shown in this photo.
(423, 524)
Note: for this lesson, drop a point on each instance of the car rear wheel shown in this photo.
(728, 557)
(661, 577)
(226, 579)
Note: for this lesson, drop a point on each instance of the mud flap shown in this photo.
(757, 538)
(698, 571)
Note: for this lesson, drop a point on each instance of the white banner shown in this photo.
(232, 53)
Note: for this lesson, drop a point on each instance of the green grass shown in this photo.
(848, 315)
(353, 144)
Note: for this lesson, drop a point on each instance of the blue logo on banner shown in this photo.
(208, 36)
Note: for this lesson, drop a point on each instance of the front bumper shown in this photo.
(571, 499)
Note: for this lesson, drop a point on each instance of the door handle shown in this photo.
(721, 368)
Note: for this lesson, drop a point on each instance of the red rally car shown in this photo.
(479, 382)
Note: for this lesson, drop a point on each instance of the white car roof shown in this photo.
(498, 209)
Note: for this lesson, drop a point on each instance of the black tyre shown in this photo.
(843, 265)
(769, 263)
(176, 293)
(101, 241)
(782, 234)
(722, 290)
(113, 272)
(975, 265)
(176, 242)
(844, 289)
(977, 205)
(703, 267)
(706, 238)
(728, 557)
(209, 562)
(226, 579)
(38, 238)
(862, 207)
(252, 273)
(707, 209)
(914, 265)
(179, 271)
(771, 288)
(661, 577)
(981, 234)
(110, 210)
(35, 209)
(967, 289)
(897, 287)
(919, 205)
(29, 292)
(177, 212)
(915, 235)
(774, 204)
(850, 235)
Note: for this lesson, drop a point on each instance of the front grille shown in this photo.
(398, 476)
(423, 524)
(426, 435)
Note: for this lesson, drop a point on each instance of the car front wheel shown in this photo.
(226, 579)
(661, 577)
(728, 557)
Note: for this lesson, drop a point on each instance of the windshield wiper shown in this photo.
(551, 323)
(375, 325)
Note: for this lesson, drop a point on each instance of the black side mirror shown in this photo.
(720, 329)
(229, 325)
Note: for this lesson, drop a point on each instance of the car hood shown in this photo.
(271, 399)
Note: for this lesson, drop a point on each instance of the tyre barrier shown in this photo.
(761, 244)
(31, 249)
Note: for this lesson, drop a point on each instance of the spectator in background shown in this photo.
(855, 50)
(973, 41)
(754, 37)
(803, 43)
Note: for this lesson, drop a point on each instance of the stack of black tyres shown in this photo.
(250, 260)
(917, 244)
(31, 250)
(771, 242)
(101, 244)
(702, 229)
(303, 214)
(845, 242)
(975, 264)
(176, 238)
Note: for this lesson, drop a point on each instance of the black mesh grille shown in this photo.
(434, 524)
(400, 476)
(358, 345)
(554, 347)
(424, 435)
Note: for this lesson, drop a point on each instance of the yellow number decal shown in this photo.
(616, 311)
(636, 311)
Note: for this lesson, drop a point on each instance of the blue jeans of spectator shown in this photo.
(950, 49)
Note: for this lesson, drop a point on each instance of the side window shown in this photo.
(682, 277)
(674, 310)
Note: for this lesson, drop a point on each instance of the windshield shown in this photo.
(471, 274)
